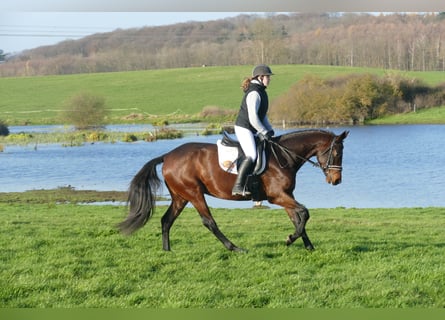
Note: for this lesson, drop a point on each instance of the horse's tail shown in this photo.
(142, 197)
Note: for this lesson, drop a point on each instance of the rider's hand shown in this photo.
(265, 137)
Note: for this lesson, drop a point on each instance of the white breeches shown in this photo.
(247, 141)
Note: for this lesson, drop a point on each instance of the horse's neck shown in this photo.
(304, 143)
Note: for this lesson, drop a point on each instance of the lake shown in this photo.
(383, 166)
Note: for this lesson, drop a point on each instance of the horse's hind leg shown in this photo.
(210, 223)
(173, 211)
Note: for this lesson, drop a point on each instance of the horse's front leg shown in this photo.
(299, 217)
(307, 243)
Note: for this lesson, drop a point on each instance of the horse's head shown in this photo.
(330, 158)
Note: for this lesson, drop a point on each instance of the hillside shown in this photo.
(149, 95)
(397, 41)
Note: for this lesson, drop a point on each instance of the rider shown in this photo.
(252, 120)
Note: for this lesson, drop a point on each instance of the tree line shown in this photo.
(391, 41)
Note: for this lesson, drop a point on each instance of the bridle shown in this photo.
(329, 165)
(292, 157)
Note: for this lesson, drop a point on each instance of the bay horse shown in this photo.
(192, 170)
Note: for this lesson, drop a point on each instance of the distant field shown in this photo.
(58, 256)
(423, 116)
(38, 100)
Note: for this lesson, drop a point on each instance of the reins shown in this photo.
(289, 155)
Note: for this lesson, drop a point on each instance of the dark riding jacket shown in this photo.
(243, 117)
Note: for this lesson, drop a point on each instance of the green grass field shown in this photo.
(72, 256)
(39, 100)
(423, 116)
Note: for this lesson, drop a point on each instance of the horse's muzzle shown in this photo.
(333, 177)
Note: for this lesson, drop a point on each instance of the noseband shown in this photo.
(292, 157)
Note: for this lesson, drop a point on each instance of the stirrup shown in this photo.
(241, 192)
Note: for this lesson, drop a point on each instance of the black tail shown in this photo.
(142, 197)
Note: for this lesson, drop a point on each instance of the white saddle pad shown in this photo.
(227, 157)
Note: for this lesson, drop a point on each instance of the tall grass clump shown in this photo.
(129, 137)
(167, 133)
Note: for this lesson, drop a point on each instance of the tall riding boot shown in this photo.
(243, 170)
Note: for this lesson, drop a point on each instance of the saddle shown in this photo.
(230, 154)
(231, 162)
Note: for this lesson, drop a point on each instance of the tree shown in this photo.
(2, 56)
(4, 130)
(267, 39)
(85, 110)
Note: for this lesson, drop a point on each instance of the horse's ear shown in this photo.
(341, 137)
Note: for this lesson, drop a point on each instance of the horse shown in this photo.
(191, 170)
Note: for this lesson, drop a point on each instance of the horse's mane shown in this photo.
(304, 132)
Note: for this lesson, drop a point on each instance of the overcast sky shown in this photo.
(27, 30)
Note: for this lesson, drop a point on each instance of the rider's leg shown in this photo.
(247, 142)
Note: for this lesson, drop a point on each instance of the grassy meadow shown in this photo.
(424, 116)
(183, 92)
(67, 255)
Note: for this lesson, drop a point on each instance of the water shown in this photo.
(383, 166)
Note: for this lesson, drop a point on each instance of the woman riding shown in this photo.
(252, 120)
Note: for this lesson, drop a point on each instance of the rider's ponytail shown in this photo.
(245, 83)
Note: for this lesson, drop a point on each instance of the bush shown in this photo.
(166, 133)
(352, 99)
(85, 110)
(129, 137)
(311, 101)
(96, 136)
(4, 131)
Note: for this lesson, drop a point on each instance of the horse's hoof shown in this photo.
(310, 248)
(289, 240)
(236, 249)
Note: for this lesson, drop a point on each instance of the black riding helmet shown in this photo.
(261, 70)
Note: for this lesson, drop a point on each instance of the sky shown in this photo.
(26, 30)
(27, 24)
